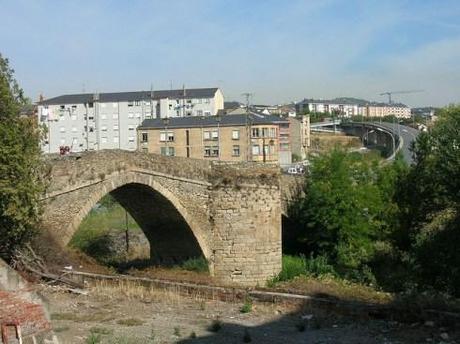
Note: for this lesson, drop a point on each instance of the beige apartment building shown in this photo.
(383, 110)
(226, 138)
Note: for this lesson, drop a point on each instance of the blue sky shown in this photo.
(281, 51)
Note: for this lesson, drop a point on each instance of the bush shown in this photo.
(199, 264)
(292, 266)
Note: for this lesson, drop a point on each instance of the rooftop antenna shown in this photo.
(248, 96)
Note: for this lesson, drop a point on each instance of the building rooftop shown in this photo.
(131, 96)
(211, 121)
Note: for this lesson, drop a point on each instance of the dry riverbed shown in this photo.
(129, 313)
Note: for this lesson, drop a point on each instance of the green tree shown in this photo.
(20, 183)
(347, 208)
(429, 200)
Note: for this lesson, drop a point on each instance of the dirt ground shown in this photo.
(133, 314)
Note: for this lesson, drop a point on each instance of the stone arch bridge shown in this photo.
(228, 213)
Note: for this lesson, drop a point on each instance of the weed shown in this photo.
(247, 336)
(177, 331)
(101, 175)
(93, 338)
(100, 330)
(193, 335)
(130, 322)
(247, 306)
(216, 325)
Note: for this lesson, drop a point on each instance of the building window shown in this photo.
(131, 139)
(199, 112)
(236, 151)
(73, 117)
(138, 115)
(137, 103)
(255, 132)
(207, 113)
(255, 150)
(167, 151)
(145, 137)
(235, 135)
(103, 128)
(116, 139)
(62, 129)
(207, 100)
(115, 127)
(90, 105)
(264, 132)
(130, 104)
(166, 136)
(211, 151)
(211, 135)
(131, 127)
(115, 116)
(130, 115)
(103, 139)
(272, 132)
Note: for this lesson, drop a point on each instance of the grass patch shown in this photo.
(199, 264)
(294, 266)
(130, 322)
(104, 217)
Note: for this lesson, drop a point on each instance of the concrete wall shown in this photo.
(231, 214)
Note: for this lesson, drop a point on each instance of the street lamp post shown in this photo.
(166, 122)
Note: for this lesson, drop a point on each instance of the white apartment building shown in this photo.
(345, 109)
(348, 108)
(109, 120)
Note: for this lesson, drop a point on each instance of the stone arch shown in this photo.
(129, 178)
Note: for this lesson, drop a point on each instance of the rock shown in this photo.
(444, 336)
(429, 323)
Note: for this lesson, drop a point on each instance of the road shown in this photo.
(407, 134)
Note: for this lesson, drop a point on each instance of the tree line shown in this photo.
(389, 224)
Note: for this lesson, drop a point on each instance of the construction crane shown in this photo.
(398, 92)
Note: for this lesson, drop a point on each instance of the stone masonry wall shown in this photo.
(233, 210)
